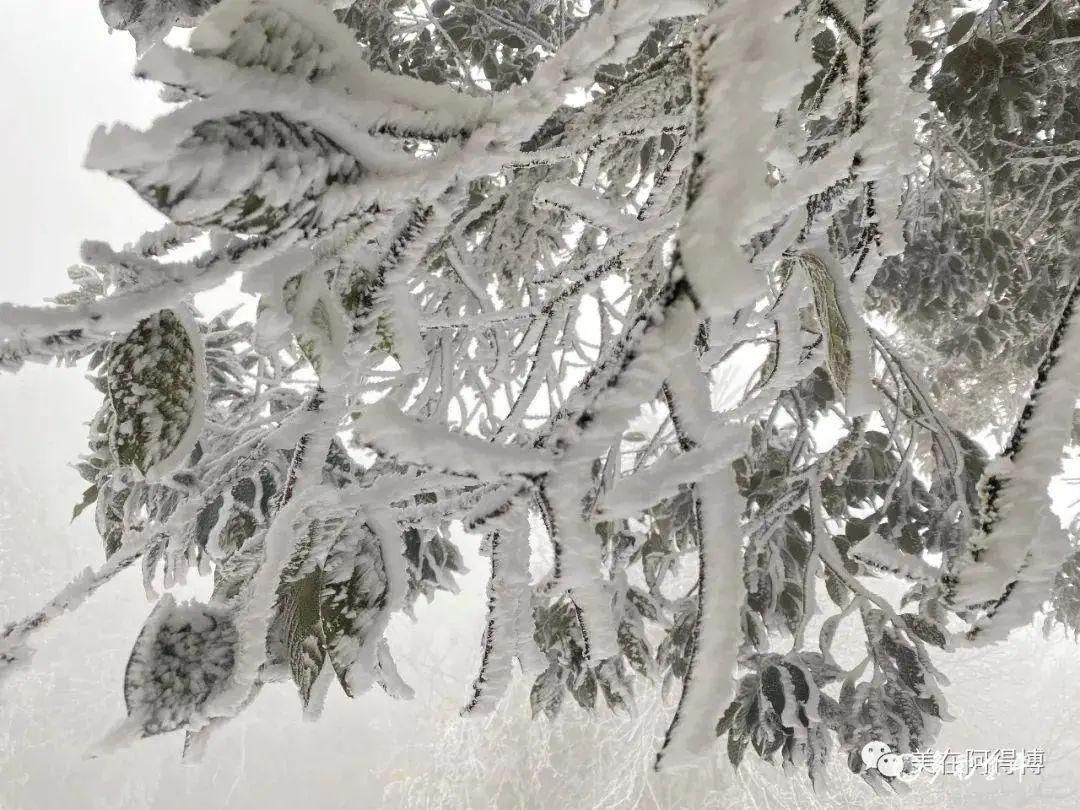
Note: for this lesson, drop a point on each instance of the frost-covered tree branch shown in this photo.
(640, 291)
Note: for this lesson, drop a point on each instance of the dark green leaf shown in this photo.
(156, 402)
(353, 599)
(736, 747)
(89, 496)
(547, 692)
(925, 629)
(961, 27)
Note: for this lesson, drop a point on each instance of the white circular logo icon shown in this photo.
(872, 752)
(890, 765)
(878, 756)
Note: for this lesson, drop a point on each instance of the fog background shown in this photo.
(62, 74)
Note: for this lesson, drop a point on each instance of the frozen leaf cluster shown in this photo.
(697, 390)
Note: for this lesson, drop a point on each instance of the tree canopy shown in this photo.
(704, 319)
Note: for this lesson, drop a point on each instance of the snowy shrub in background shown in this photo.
(621, 287)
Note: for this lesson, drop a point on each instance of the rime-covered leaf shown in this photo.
(182, 657)
(155, 379)
(547, 692)
(303, 630)
(926, 630)
(271, 175)
(353, 603)
(836, 329)
(582, 686)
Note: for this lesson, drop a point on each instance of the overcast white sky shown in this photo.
(61, 74)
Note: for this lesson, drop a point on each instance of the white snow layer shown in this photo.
(391, 433)
(506, 635)
(751, 68)
(709, 684)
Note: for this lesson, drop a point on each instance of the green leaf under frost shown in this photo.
(353, 603)
(181, 660)
(303, 632)
(154, 388)
(833, 324)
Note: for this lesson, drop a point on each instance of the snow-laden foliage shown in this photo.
(155, 385)
(641, 294)
(992, 235)
(182, 655)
